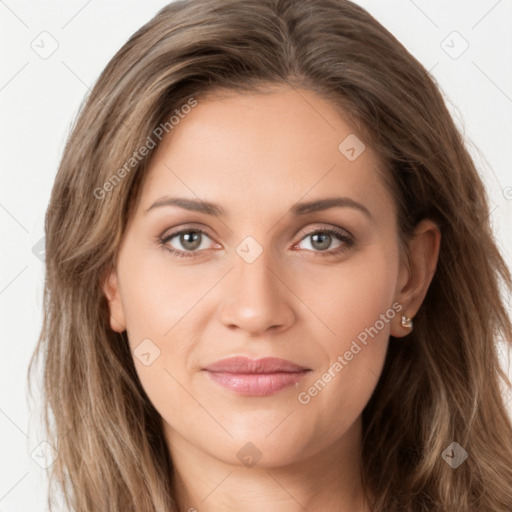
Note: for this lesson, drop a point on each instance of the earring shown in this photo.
(407, 322)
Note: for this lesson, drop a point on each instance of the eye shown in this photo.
(322, 239)
(190, 239)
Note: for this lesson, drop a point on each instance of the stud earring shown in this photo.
(407, 322)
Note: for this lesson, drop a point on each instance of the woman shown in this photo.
(271, 280)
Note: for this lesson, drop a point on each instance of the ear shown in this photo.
(111, 290)
(416, 272)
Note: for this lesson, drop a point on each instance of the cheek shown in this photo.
(158, 296)
(357, 307)
(161, 305)
(352, 296)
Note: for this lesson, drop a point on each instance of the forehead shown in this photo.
(272, 147)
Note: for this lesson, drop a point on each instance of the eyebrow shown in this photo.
(298, 209)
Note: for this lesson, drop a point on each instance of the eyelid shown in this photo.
(346, 239)
(199, 228)
(327, 227)
(184, 227)
(167, 235)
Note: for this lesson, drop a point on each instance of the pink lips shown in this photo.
(255, 377)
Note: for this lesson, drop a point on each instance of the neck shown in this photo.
(327, 481)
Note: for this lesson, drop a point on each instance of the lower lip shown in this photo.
(257, 384)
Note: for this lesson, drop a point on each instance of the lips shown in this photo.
(255, 377)
(246, 365)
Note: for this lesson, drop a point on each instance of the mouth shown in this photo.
(256, 377)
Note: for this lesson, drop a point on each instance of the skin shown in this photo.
(257, 156)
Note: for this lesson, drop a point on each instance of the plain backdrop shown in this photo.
(52, 53)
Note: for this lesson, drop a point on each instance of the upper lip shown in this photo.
(241, 364)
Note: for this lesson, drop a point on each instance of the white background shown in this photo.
(39, 98)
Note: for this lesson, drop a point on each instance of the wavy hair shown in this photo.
(441, 386)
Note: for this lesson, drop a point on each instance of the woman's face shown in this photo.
(265, 279)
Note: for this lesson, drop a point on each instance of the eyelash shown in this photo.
(347, 240)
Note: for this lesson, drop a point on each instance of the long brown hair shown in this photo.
(439, 387)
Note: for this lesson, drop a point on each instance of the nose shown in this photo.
(256, 299)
